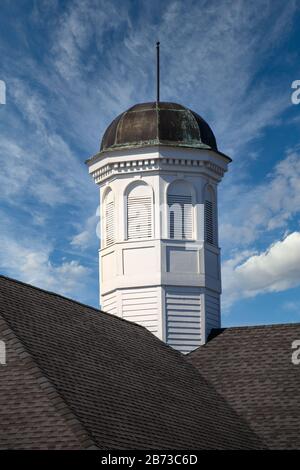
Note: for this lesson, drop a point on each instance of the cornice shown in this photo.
(107, 170)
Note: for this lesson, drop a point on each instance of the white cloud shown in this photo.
(44, 165)
(88, 86)
(211, 57)
(262, 208)
(221, 50)
(86, 237)
(274, 270)
(14, 174)
(30, 262)
(83, 23)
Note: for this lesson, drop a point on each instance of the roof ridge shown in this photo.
(215, 332)
(267, 325)
(17, 281)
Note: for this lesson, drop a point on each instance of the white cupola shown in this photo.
(158, 170)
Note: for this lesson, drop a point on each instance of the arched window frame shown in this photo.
(140, 208)
(187, 223)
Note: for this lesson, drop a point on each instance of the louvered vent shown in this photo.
(180, 216)
(110, 223)
(209, 222)
(183, 322)
(139, 217)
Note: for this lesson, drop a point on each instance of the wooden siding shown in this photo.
(109, 303)
(141, 306)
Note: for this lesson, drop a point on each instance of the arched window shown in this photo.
(109, 218)
(139, 212)
(209, 216)
(180, 210)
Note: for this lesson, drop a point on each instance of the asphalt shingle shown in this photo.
(125, 388)
(252, 368)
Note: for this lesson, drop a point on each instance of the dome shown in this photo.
(159, 123)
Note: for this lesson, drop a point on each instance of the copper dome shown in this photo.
(159, 123)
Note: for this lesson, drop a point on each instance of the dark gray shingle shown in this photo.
(128, 389)
(252, 368)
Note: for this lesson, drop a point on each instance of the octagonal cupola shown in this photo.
(159, 259)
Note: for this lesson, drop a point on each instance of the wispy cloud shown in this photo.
(36, 159)
(213, 59)
(264, 207)
(259, 213)
(222, 53)
(86, 236)
(33, 265)
(83, 27)
(74, 65)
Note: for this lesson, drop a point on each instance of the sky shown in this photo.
(71, 66)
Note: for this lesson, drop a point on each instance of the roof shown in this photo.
(253, 370)
(116, 385)
(158, 123)
(33, 415)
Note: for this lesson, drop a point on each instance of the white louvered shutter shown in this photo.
(209, 222)
(139, 216)
(180, 216)
(109, 223)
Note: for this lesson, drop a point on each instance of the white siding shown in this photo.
(183, 312)
(212, 311)
(109, 303)
(141, 306)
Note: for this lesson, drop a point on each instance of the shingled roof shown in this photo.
(253, 370)
(80, 378)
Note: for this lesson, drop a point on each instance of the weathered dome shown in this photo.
(159, 123)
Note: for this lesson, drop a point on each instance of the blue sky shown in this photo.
(71, 66)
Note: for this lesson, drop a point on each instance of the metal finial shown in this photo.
(157, 71)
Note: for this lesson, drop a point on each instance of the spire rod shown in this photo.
(157, 71)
